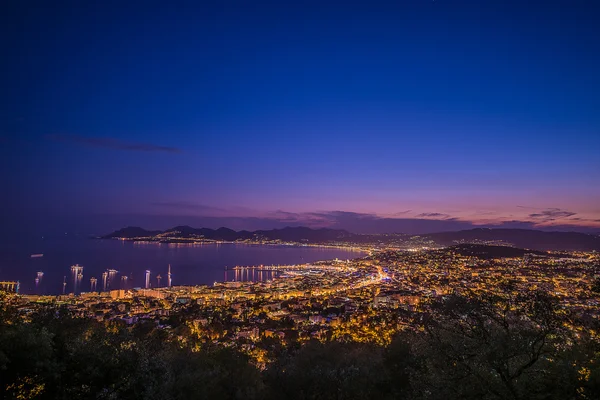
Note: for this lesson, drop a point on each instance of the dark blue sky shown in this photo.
(365, 115)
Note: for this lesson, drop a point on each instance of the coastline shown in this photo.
(197, 262)
(183, 241)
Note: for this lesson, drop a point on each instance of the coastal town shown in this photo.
(368, 299)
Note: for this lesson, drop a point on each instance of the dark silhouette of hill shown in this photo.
(288, 234)
(523, 238)
(300, 234)
(132, 232)
(186, 231)
(520, 238)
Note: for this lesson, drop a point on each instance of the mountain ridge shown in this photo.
(292, 234)
(521, 238)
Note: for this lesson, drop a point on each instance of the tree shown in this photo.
(214, 374)
(596, 286)
(330, 371)
(492, 346)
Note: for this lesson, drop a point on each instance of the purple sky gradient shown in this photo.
(375, 117)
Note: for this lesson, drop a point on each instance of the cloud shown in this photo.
(433, 215)
(372, 223)
(172, 213)
(350, 221)
(402, 213)
(284, 216)
(115, 144)
(551, 214)
(420, 224)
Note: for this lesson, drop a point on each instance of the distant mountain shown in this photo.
(132, 232)
(523, 238)
(300, 234)
(520, 238)
(288, 234)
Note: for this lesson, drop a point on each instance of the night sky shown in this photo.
(370, 116)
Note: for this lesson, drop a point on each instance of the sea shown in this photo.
(190, 264)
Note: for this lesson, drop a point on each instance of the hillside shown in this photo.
(523, 238)
(520, 238)
(288, 234)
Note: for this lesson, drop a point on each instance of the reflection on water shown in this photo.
(251, 274)
(115, 264)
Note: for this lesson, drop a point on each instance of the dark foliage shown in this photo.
(515, 346)
(596, 286)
